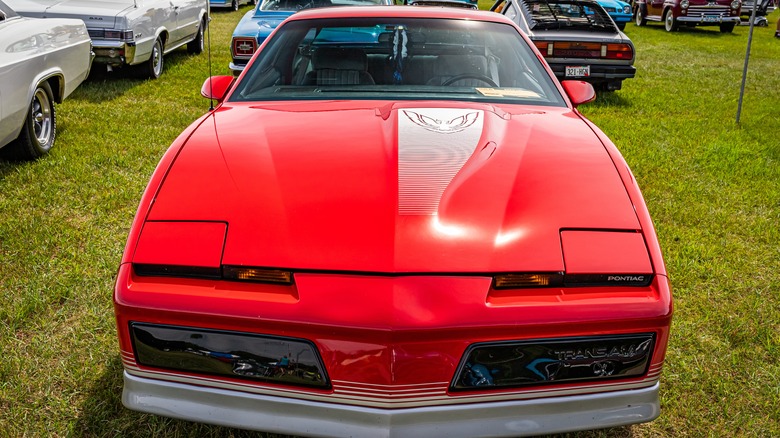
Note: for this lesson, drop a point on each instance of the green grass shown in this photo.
(712, 186)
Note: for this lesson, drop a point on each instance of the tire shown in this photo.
(621, 26)
(670, 24)
(234, 5)
(154, 66)
(727, 27)
(640, 18)
(196, 46)
(39, 130)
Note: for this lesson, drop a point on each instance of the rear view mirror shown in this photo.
(579, 92)
(216, 87)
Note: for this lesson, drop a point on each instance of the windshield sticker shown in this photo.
(507, 92)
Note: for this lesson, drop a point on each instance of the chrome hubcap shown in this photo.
(156, 64)
(41, 117)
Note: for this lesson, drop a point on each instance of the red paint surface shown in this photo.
(294, 198)
(605, 252)
(181, 243)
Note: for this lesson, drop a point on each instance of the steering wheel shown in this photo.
(476, 76)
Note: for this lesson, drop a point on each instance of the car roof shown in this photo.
(400, 12)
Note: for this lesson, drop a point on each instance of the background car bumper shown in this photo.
(702, 21)
(113, 52)
(597, 72)
(293, 416)
(621, 18)
(237, 68)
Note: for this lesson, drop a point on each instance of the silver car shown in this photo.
(130, 32)
(578, 39)
(41, 62)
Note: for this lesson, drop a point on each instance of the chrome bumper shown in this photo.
(700, 19)
(114, 53)
(302, 417)
(236, 69)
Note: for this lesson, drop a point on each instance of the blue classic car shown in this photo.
(232, 4)
(619, 11)
(257, 24)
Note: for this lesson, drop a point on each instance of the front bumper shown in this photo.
(621, 18)
(311, 418)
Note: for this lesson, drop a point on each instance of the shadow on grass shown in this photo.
(103, 85)
(102, 415)
(609, 98)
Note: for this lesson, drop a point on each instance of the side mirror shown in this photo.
(579, 92)
(216, 87)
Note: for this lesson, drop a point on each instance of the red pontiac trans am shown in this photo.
(395, 222)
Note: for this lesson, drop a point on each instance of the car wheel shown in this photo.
(234, 5)
(727, 27)
(621, 26)
(196, 46)
(640, 17)
(670, 24)
(154, 66)
(39, 129)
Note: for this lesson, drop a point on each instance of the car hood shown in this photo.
(383, 187)
(260, 25)
(613, 3)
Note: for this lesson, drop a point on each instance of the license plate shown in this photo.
(711, 18)
(577, 71)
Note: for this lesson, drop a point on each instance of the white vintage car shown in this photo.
(130, 32)
(41, 62)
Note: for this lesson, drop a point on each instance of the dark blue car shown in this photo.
(258, 23)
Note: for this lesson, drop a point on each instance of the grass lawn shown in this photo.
(712, 186)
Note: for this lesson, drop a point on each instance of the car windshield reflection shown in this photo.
(408, 58)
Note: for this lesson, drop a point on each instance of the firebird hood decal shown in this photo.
(429, 156)
(431, 123)
(407, 187)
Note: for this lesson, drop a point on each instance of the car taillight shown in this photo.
(122, 35)
(619, 51)
(553, 361)
(244, 47)
(571, 49)
(544, 47)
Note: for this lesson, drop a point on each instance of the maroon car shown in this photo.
(674, 13)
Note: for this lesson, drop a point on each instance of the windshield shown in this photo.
(569, 15)
(297, 5)
(398, 59)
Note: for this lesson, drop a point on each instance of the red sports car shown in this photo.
(395, 222)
